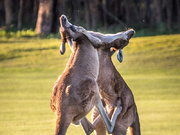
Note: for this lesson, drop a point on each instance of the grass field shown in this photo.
(30, 66)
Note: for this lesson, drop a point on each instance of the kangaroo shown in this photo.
(112, 87)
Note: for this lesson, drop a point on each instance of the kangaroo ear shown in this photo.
(71, 44)
(120, 55)
(62, 47)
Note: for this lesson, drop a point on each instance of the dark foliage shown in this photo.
(155, 16)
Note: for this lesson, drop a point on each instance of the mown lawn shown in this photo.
(30, 66)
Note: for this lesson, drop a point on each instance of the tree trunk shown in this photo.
(178, 13)
(104, 6)
(153, 14)
(8, 13)
(44, 20)
(35, 8)
(169, 13)
(94, 12)
(117, 8)
(75, 11)
(127, 12)
(148, 12)
(20, 15)
(100, 12)
(158, 11)
(87, 14)
(106, 12)
(62, 6)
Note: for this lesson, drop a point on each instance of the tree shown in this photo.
(35, 8)
(147, 11)
(168, 5)
(94, 12)
(104, 7)
(87, 14)
(8, 12)
(44, 20)
(178, 13)
(20, 15)
(127, 11)
(158, 4)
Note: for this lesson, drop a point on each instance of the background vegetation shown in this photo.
(29, 67)
(148, 17)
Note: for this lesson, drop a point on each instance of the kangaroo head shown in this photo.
(68, 33)
(122, 44)
(113, 42)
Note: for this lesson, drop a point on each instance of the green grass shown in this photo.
(30, 66)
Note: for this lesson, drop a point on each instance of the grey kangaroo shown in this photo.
(112, 87)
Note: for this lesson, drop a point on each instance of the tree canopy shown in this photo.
(43, 15)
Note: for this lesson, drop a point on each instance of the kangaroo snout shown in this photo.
(130, 33)
(64, 22)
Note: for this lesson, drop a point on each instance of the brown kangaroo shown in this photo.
(76, 91)
(112, 87)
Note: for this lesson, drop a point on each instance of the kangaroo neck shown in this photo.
(84, 59)
(105, 61)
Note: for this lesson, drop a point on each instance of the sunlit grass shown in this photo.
(29, 68)
(159, 53)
